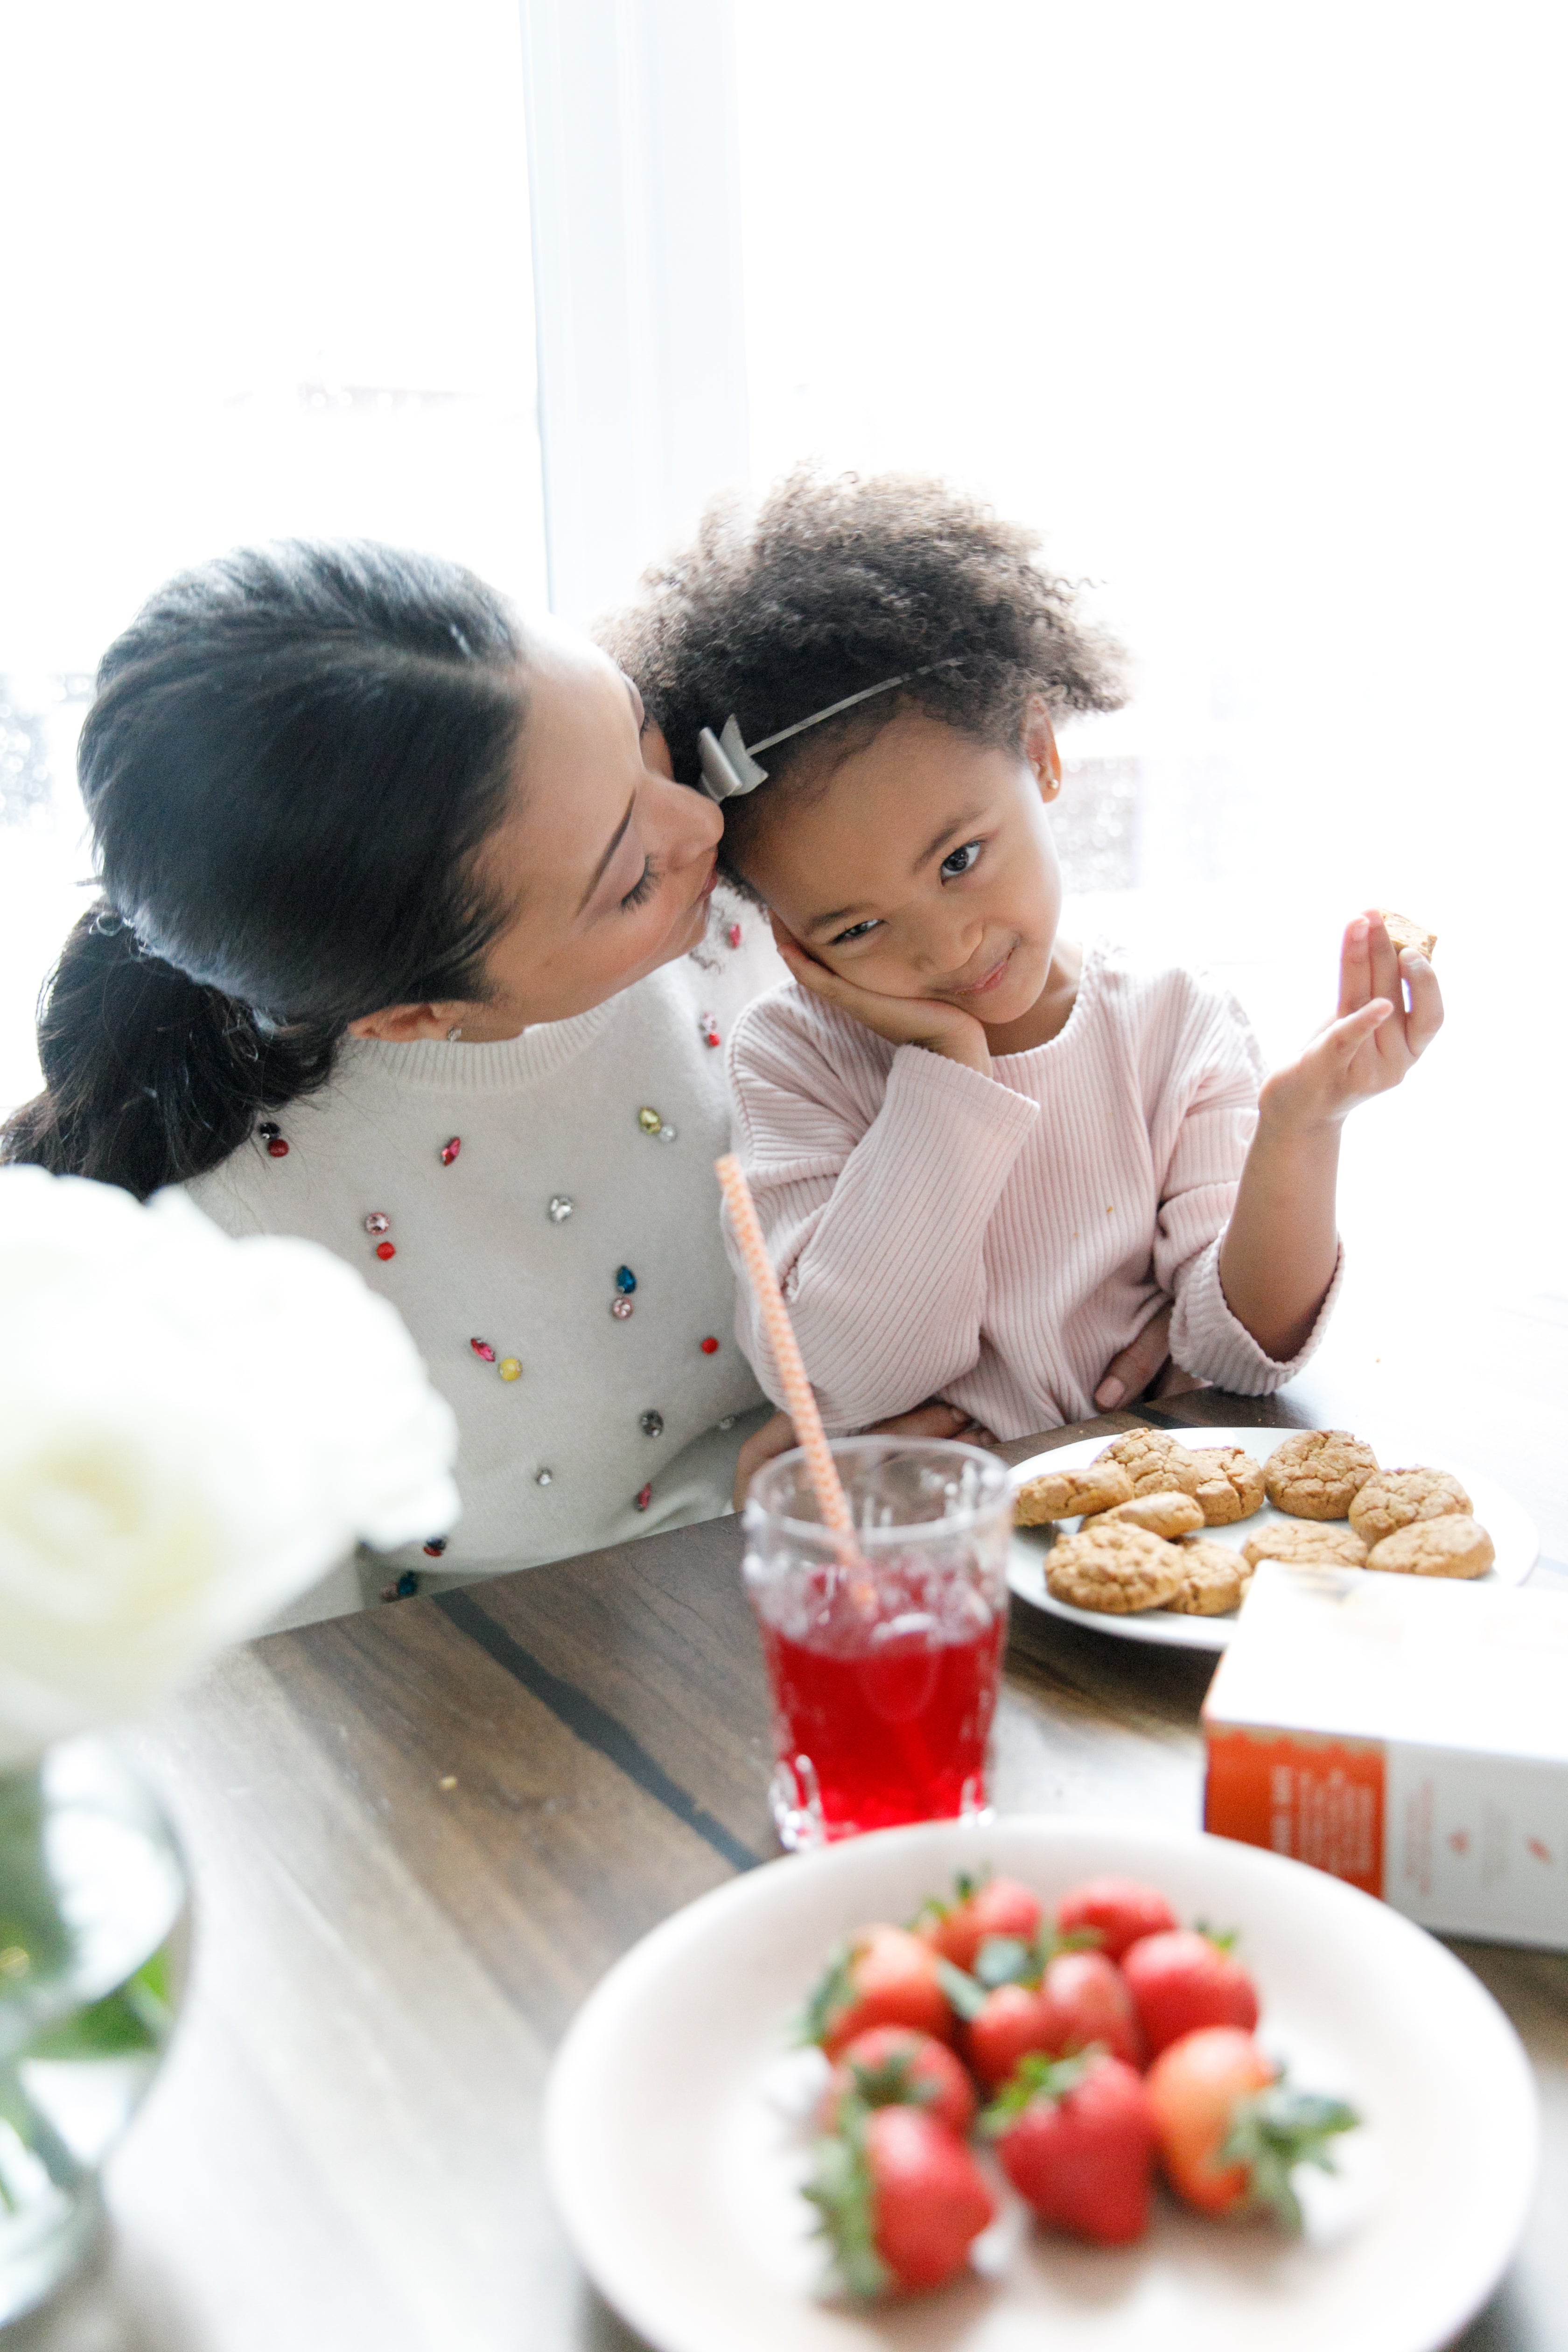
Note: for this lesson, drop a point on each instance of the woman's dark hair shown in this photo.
(291, 762)
(837, 584)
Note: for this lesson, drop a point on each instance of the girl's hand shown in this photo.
(1371, 1043)
(901, 1020)
(933, 1419)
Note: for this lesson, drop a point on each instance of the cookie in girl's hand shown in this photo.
(1406, 934)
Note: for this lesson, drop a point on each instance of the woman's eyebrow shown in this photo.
(610, 847)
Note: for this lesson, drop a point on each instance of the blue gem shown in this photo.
(407, 1585)
(625, 1278)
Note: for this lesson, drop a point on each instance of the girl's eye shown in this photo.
(642, 889)
(855, 931)
(960, 861)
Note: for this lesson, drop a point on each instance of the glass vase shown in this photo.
(92, 1920)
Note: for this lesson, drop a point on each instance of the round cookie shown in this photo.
(1065, 1493)
(1455, 1545)
(1397, 1498)
(1216, 1577)
(1317, 1474)
(1164, 1514)
(1230, 1485)
(1306, 1546)
(1115, 1568)
(1155, 1463)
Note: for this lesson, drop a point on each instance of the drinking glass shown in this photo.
(884, 1655)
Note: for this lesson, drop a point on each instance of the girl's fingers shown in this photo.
(1425, 1018)
(1384, 960)
(1346, 1036)
(1355, 967)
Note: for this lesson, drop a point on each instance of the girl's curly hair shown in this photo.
(836, 584)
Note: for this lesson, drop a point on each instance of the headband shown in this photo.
(728, 765)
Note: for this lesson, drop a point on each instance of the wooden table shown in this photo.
(419, 1837)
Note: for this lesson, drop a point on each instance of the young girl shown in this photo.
(984, 1155)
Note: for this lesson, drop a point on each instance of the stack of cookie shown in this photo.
(1143, 1505)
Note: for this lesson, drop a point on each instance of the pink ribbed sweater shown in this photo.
(996, 1241)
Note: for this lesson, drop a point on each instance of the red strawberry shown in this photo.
(1010, 2023)
(1181, 1980)
(1085, 1999)
(993, 1907)
(1117, 1910)
(901, 2199)
(1076, 2136)
(891, 2066)
(1230, 2134)
(882, 1976)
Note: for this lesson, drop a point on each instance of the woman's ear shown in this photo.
(404, 1024)
(1040, 749)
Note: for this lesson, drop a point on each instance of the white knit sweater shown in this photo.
(611, 1427)
(997, 1241)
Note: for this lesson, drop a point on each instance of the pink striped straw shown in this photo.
(800, 1403)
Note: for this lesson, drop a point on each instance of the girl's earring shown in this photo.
(454, 1033)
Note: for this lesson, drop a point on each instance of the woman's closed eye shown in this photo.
(642, 889)
(960, 861)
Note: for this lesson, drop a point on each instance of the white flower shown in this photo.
(192, 1430)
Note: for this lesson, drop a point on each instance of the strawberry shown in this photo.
(1117, 1910)
(1009, 2023)
(901, 2199)
(891, 2066)
(1230, 2134)
(1085, 1999)
(981, 1908)
(1182, 1979)
(1079, 1999)
(1076, 2136)
(881, 1976)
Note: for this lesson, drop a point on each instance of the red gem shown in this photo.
(645, 1497)
(483, 1351)
(384, 1250)
(450, 1150)
(436, 1546)
(710, 1347)
(734, 935)
(278, 1149)
(712, 1037)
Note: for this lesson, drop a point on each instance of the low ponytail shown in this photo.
(292, 758)
(150, 1076)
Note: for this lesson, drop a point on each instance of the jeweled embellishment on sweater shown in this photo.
(450, 1150)
(561, 1207)
(272, 1137)
(483, 1351)
(625, 1279)
(649, 1119)
(620, 1309)
(651, 1425)
(643, 1498)
(509, 1368)
(377, 1222)
(709, 1029)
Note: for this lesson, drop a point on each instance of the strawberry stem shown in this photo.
(828, 1999)
(1276, 2131)
(840, 2189)
(1037, 2081)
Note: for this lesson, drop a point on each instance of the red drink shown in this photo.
(875, 1732)
(884, 1647)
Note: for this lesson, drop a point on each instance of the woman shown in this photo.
(409, 944)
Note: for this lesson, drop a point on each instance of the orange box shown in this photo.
(1409, 1736)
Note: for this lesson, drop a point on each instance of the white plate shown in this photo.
(677, 2169)
(1508, 1523)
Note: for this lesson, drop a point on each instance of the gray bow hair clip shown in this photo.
(729, 766)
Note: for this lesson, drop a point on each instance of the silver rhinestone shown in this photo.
(667, 1133)
(542, 1477)
(561, 1208)
(652, 1424)
(728, 1422)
